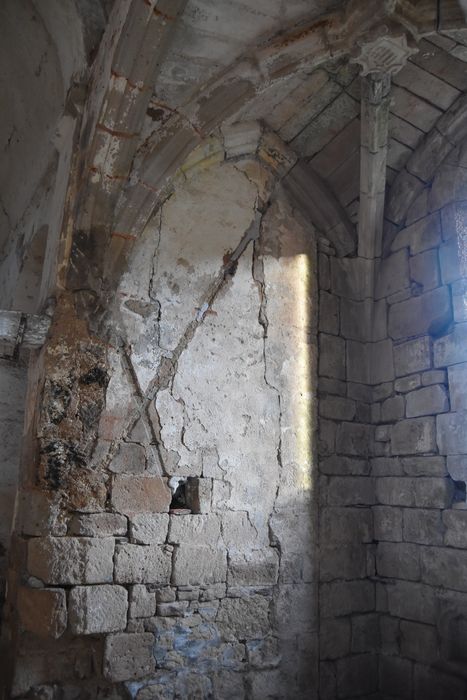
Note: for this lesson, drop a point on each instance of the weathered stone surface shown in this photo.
(387, 523)
(452, 348)
(98, 525)
(457, 386)
(427, 401)
(455, 523)
(345, 466)
(142, 564)
(429, 313)
(243, 618)
(398, 560)
(128, 656)
(130, 459)
(337, 408)
(357, 319)
(71, 560)
(451, 433)
(432, 492)
(196, 564)
(395, 676)
(199, 494)
(345, 525)
(414, 435)
(353, 439)
(424, 466)
(407, 383)
(431, 684)
(412, 601)
(98, 609)
(350, 490)
(195, 529)
(393, 409)
(423, 526)
(334, 638)
(358, 361)
(149, 528)
(419, 642)
(392, 274)
(328, 313)
(331, 356)
(382, 362)
(452, 266)
(255, 568)
(239, 533)
(138, 494)
(386, 466)
(346, 598)
(142, 602)
(422, 235)
(365, 633)
(434, 376)
(359, 672)
(424, 270)
(351, 278)
(42, 611)
(395, 491)
(413, 356)
(444, 567)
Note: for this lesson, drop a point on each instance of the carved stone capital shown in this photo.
(385, 55)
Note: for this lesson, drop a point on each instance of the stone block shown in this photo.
(128, 656)
(39, 514)
(395, 491)
(358, 361)
(332, 386)
(254, 568)
(130, 459)
(459, 300)
(422, 235)
(456, 466)
(444, 567)
(328, 313)
(393, 409)
(407, 384)
(383, 391)
(413, 436)
(98, 609)
(175, 609)
(326, 437)
(452, 266)
(427, 401)
(382, 362)
(352, 278)
(424, 466)
(395, 677)
(434, 376)
(412, 601)
(392, 274)
(334, 638)
(142, 601)
(451, 433)
(331, 356)
(344, 466)
(358, 672)
(42, 611)
(244, 618)
(149, 528)
(423, 526)
(432, 492)
(458, 386)
(343, 561)
(142, 564)
(455, 523)
(351, 491)
(71, 560)
(357, 319)
(353, 439)
(345, 525)
(195, 529)
(140, 494)
(451, 349)
(387, 523)
(429, 313)
(424, 270)
(198, 564)
(239, 533)
(337, 408)
(365, 633)
(98, 525)
(412, 356)
(433, 684)
(346, 598)
(418, 642)
(398, 560)
(389, 634)
(382, 433)
(386, 466)
(199, 494)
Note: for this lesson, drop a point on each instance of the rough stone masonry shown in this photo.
(233, 350)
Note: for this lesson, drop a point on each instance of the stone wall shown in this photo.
(418, 461)
(208, 382)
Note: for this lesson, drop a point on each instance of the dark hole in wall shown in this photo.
(460, 492)
(179, 497)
